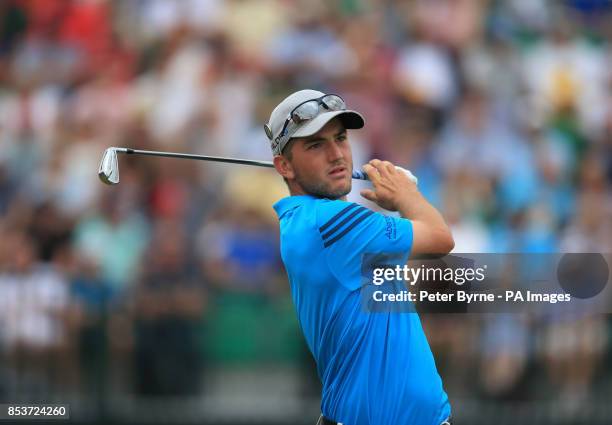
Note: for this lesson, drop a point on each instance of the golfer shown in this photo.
(376, 368)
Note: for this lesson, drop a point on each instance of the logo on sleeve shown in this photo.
(390, 229)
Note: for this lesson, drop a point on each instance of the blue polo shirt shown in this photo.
(376, 368)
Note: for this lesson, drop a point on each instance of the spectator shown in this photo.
(34, 307)
(169, 303)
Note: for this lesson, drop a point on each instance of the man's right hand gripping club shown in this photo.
(394, 191)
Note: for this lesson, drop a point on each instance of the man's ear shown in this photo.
(283, 167)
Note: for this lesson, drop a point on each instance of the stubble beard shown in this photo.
(321, 189)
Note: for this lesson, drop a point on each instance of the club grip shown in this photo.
(361, 175)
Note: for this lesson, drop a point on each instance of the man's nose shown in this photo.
(334, 152)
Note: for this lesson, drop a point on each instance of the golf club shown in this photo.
(108, 172)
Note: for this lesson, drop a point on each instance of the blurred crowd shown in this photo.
(503, 109)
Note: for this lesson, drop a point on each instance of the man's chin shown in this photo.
(332, 193)
(330, 190)
(337, 195)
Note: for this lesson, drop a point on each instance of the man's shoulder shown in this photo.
(337, 218)
(322, 215)
(322, 209)
(329, 211)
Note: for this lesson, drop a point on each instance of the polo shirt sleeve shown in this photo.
(348, 230)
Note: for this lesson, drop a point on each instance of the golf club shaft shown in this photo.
(359, 175)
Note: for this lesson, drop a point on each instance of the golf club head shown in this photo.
(108, 172)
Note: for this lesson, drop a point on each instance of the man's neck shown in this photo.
(296, 190)
(302, 193)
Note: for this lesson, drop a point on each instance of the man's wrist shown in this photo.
(404, 208)
(407, 203)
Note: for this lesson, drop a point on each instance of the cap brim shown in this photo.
(351, 120)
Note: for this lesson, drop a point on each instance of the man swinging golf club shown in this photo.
(376, 368)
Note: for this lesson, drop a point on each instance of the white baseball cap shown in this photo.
(329, 106)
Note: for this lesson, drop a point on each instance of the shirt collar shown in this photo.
(290, 202)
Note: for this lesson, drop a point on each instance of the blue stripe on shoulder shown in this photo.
(350, 227)
(342, 222)
(337, 216)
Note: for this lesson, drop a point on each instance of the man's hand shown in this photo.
(394, 191)
(392, 187)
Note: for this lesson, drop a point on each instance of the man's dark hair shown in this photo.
(287, 149)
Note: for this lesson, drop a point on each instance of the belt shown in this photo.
(324, 421)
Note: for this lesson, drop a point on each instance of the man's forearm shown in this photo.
(416, 208)
(424, 215)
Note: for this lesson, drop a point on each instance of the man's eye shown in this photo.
(313, 146)
(341, 138)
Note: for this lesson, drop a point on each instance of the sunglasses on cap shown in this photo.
(303, 112)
